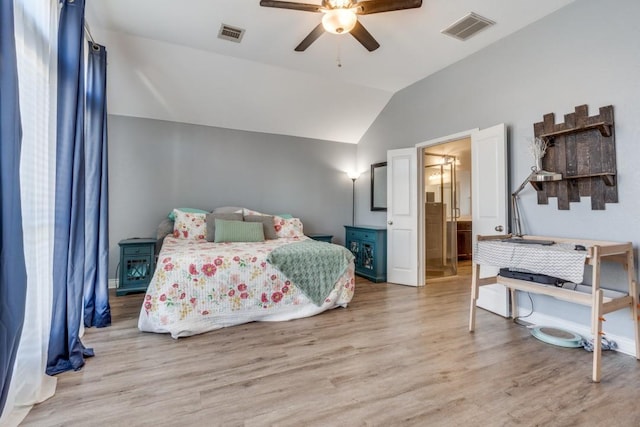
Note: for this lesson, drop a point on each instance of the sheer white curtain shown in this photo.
(36, 34)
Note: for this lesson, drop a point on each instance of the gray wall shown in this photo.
(155, 166)
(586, 53)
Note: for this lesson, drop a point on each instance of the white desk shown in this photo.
(596, 252)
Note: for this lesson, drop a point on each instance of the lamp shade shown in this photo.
(543, 175)
(353, 175)
(339, 21)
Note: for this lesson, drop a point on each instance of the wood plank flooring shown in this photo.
(396, 356)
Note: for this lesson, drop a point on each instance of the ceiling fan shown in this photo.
(340, 17)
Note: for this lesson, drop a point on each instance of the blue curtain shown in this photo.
(96, 289)
(13, 274)
(66, 351)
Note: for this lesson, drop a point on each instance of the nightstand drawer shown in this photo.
(361, 235)
(137, 250)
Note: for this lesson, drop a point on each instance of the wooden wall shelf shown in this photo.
(603, 127)
(609, 179)
(582, 149)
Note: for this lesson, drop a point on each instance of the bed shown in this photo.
(200, 285)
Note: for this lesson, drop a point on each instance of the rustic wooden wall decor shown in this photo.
(583, 150)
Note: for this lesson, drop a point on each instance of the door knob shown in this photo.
(390, 222)
(499, 228)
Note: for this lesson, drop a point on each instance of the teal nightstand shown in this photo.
(137, 263)
(321, 237)
(369, 246)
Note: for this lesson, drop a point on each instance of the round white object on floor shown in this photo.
(557, 336)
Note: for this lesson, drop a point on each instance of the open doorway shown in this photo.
(447, 208)
(406, 198)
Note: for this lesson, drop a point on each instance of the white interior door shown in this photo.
(489, 196)
(402, 216)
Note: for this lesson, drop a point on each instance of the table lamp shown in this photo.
(538, 148)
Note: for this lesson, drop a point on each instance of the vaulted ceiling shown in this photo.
(166, 61)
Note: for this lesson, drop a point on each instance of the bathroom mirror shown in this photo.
(379, 186)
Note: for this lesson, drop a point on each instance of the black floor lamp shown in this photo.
(354, 176)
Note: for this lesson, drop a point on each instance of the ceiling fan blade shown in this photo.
(305, 7)
(378, 6)
(313, 35)
(364, 37)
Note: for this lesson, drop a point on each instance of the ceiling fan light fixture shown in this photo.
(339, 21)
(339, 4)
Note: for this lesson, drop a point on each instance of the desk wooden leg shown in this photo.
(596, 326)
(636, 316)
(514, 305)
(633, 291)
(475, 275)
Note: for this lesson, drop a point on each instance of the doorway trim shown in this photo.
(421, 197)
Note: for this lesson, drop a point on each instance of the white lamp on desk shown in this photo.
(538, 148)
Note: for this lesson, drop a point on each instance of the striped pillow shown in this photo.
(238, 231)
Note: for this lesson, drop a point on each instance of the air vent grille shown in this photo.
(467, 26)
(227, 32)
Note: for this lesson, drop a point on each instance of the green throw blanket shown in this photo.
(312, 266)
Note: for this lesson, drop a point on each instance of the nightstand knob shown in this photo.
(499, 228)
(390, 222)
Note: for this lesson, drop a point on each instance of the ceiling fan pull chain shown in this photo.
(338, 56)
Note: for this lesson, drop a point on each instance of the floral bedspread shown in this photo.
(199, 286)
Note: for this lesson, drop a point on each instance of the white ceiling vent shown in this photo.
(227, 32)
(467, 26)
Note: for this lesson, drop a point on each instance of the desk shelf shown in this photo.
(597, 251)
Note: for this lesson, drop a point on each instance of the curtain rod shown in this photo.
(88, 32)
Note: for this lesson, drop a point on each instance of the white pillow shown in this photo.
(189, 225)
(288, 227)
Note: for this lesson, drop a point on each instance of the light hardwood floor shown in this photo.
(396, 356)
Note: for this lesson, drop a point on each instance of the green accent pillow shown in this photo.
(285, 216)
(238, 231)
(172, 216)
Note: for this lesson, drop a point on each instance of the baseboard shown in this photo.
(625, 345)
(113, 283)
